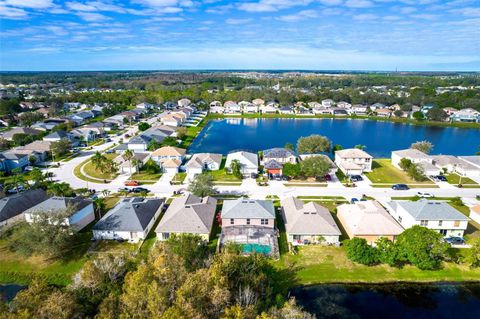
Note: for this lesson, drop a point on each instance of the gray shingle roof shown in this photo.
(14, 205)
(189, 214)
(429, 210)
(272, 164)
(130, 214)
(58, 134)
(55, 204)
(248, 208)
(277, 153)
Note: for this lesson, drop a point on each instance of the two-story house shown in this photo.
(436, 215)
(353, 161)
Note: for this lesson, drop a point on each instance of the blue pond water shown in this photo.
(222, 136)
(392, 301)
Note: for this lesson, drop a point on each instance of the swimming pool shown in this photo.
(256, 248)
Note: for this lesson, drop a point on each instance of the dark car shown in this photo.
(356, 178)
(328, 178)
(455, 241)
(441, 178)
(400, 187)
(140, 189)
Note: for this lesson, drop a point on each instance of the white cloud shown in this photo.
(469, 11)
(302, 15)
(12, 13)
(359, 3)
(31, 4)
(424, 16)
(92, 16)
(365, 17)
(271, 5)
(237, 21)
(407, 10)
(330, 2)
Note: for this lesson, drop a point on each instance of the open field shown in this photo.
(383, 172)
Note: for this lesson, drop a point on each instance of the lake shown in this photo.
(225, 135)
(8, 292)
(419, 301)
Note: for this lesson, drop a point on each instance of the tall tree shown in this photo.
(423, 146)
(313, 144)
(202, 185)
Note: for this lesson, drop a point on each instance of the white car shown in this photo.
(424, 195)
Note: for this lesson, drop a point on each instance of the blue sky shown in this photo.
(250, 34)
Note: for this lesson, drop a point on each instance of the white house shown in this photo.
(203, 162)
(308, 223)
(328, 103)
(248, 161)
(353, 161)
(439, 216)
(232, 107)
(131, 219)
(80, 210)
(417, 157)
(169, 158)
(217, 107)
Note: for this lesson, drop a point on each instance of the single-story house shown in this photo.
(203, 162)
(368, 220)
(286, 110)
(10, 160)
(131, 219)
(248, 161)
(308, 223)
(466, 115)
(188, 214)
(12, 207)
(436, 215)
(58, 136)
(353, 161)
(131, 166)
(21, 130)
(80, 210)
(453, 164)
(117, 120)
(417, 157)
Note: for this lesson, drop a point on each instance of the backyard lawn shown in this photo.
(384, 172)
(326, 264)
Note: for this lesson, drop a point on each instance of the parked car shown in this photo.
(400, 187)
(441, 178)
(108, 139)
(110, 151)
(15, 190)
(424, 194)
(328, 178)
(455, 241)
(356, 178)
(131, 183)
(140, 189)
(124, 189)
(354, 200)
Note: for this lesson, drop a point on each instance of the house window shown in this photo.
(456, 223)
(440, 222)
(232, 221)
(264, 221)
(399, 219)
(424, 223)
(166, 236)
(248, 221)
(443, 232)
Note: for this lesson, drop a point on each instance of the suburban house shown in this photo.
(384, 112)
(184, 102)
(466, 115)
(131, 219)
(368, 220)
(10, 160)
(172, 119)
(20, 130)
(436, 215)
(188, 214)
(217, 107)
(472, 160)
(12, 207)
(268, 109)
(417, 157)
(117, 120)
(452, 164)
(146, 106)
(308, 223)
(248, 107)
(139, 143)
(250, 223)
(353, 161)
(129, 166)
(203, 162)
(248, 161)
(38, 149)
(359, 109)
(80, 210)
(286, 110)
(272, 167)
(232, 107)
(281, 155)
(258, 102)
(321, 110)
(328, 103)
(58, 136)
(169, 158)
(344, 105)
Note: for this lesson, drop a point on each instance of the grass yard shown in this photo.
(325, 264)
(91, 171)
(145, 176)
(179, 178)
(455, 180)
(222, 176)
(384, 172)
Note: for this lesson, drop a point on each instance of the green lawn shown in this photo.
(91, 171)
(455, 179)
(324, 264)
(179, 178)
(384, 172)
(145, 176)
(222, 176)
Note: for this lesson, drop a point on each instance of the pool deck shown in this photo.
(258, 235)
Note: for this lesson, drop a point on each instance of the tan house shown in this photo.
(188, 214)
(353, 161)
(308, 223)
(169, 158)
(368, 220)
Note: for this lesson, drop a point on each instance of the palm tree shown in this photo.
(98, 161)
(128, 155)
(17, 178)
(59, 189)
(105, 192)
(99, 206)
